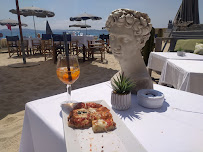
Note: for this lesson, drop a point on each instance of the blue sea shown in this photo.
(31, 32)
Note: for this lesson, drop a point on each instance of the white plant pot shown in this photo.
(121, 102)
(180, 53)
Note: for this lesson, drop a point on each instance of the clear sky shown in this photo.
(160, 11)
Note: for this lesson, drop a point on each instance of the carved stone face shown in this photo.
(124, 44)
(129, 30)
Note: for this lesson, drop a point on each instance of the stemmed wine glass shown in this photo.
(68, 71)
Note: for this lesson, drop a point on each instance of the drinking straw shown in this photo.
(67, 55)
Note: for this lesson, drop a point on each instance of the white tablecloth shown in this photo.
(35, 40)
(157, 60)
(186, 75)
(83, 40)
(176, 127)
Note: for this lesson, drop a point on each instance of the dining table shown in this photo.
(186, 75)
(82, 42)
(157, 60)
(31, 41)
(177, 126)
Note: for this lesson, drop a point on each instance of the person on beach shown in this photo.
(38, 35)
(129, 30)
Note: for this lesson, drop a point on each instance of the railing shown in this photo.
(176, 35)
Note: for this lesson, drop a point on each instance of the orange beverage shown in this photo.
(64, 76)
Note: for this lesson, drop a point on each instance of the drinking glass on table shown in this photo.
(68, 71)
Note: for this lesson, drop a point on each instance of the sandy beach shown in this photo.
(21, 85)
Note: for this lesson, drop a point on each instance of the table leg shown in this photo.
(93, 54)
(30, 51)
(54, 55)
(84, 52)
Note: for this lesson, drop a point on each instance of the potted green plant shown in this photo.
(121, 94)
(180, 52)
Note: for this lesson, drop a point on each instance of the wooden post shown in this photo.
(21, 34)
(34, 26)
(158, 44)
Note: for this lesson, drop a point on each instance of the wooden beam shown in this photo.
(21, 34)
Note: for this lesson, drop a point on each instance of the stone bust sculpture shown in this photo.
(129, 30)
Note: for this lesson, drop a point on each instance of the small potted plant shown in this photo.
(121, 94)
(180, 52)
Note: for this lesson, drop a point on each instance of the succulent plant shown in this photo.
(122, 85)
(179, 49)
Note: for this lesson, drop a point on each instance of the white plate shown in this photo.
(84, 140)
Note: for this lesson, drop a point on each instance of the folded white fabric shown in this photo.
(198, 49)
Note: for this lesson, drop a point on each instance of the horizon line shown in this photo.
(71, 29)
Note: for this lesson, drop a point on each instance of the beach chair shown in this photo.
(74, 48)
(95, 47)
(58, 45)
(106, 41)
(36, 45)
(46, 36)
(25, 43)
(46, 45)
(13, 45)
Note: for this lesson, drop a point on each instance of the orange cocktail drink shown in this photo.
(68, 77)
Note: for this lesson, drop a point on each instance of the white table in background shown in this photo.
(186, 75)
(82, 40)
(176, 127)
(157, 60)
(35, 40)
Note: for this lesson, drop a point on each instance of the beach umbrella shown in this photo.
(84, 17)
(48, 29)
(33, 11)
(80, 25)
(188, 12)
(10, 22)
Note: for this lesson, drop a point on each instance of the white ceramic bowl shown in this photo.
(150, 98)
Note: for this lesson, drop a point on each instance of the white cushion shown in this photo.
(198, 49)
